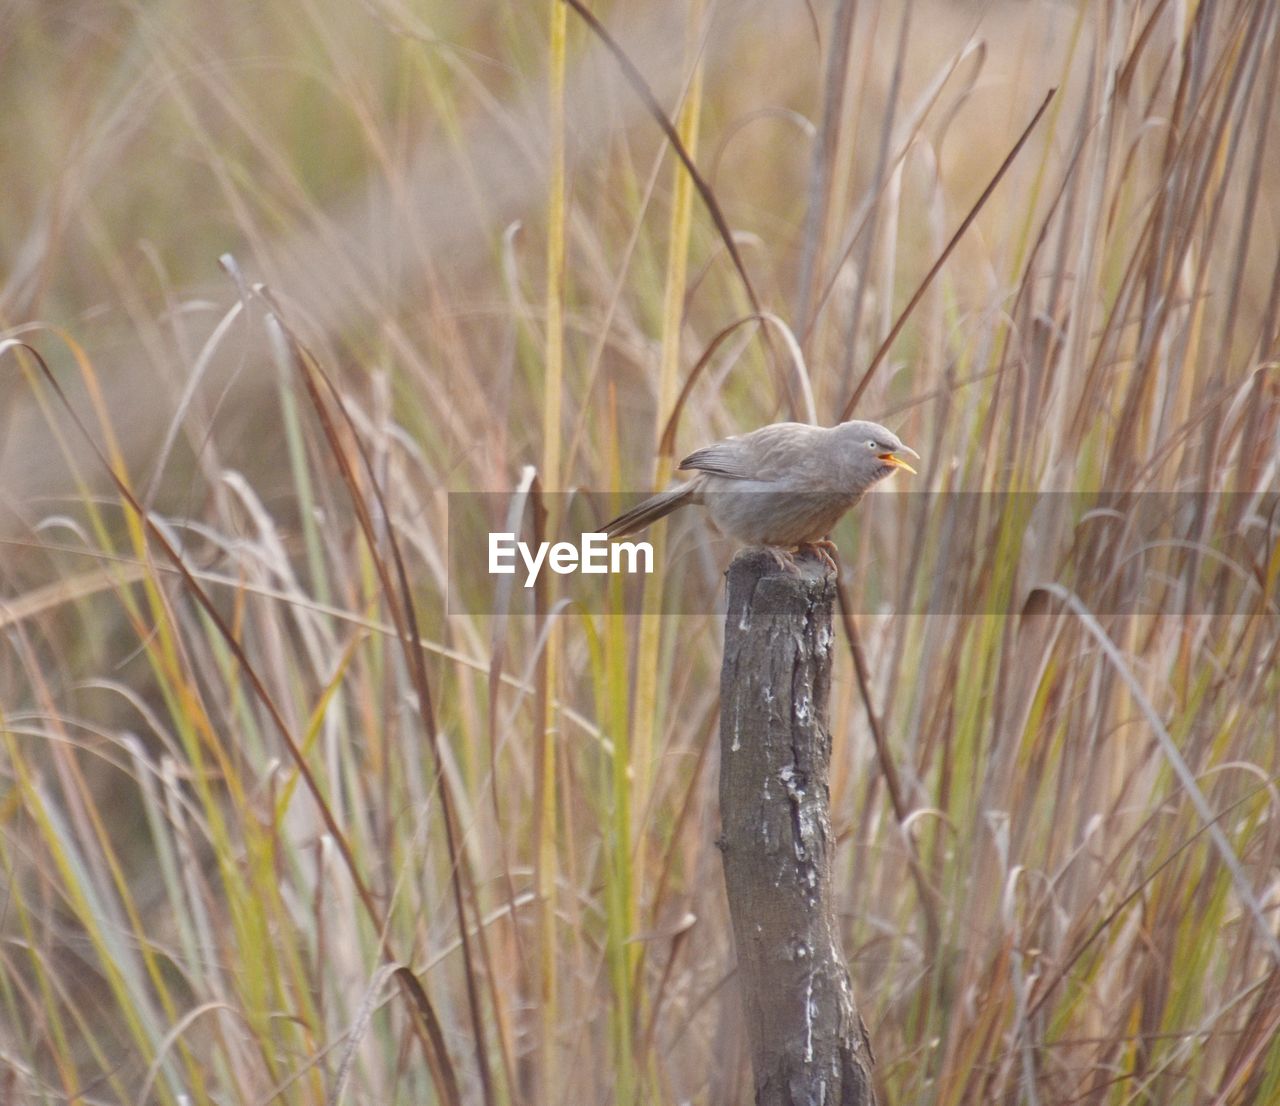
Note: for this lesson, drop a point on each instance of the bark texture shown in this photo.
(808, 1044)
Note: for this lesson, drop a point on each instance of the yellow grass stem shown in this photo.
(647, 709)
(612, 684)
(81, 897)
(552, 394)
(62, 1054)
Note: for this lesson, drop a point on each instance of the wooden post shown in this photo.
(808, 1044)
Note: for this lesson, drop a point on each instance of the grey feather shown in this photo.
(650, 510)
(723, 458)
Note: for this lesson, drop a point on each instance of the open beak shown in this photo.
(894, 459)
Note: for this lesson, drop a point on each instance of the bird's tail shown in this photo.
(650, 510)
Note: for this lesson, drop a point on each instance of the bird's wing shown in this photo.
(765, 454)
(726, 458)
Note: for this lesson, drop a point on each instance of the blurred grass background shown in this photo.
(276, 828)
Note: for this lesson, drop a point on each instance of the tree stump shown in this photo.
(808, 1044)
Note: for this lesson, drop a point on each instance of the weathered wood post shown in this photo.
(808, 1044)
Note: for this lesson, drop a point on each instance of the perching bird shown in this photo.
(782, 486)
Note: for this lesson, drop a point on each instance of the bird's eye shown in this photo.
(873, 445)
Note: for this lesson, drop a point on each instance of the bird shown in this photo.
(782, 486)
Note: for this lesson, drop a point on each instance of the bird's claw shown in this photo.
(784, 560)
(823, 550)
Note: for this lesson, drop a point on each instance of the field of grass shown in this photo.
(276, 278)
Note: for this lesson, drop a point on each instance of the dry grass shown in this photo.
(274, 827)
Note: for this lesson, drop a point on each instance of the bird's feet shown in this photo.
(823, 550)
(783, 560)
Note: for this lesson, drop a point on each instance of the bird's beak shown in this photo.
(894, 459)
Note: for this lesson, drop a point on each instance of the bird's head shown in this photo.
(873, 451)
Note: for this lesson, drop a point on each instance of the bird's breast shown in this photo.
(760, 513)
